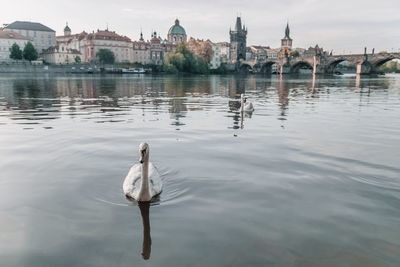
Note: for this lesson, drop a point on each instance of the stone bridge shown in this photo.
(320, 64)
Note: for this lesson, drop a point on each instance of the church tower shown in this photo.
(238, 37)
(286, 42)
(67, 30)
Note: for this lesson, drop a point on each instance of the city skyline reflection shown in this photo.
(37, 99)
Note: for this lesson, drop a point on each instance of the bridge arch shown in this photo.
(245, 69)
(331, 66)
(266, 68)
(298, 65)
(379, 63)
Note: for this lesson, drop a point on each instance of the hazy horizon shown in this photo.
(335, 25)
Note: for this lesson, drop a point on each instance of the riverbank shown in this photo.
(27, 67)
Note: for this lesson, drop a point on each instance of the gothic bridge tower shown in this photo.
(238, 36)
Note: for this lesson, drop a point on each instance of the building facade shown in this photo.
(154, 51)
(88, 44)
(61, 54)
(238, 42)
(121, 46)
(7, 39)
(221, 54)
(141, 51)
(176, 33)
(41, 36)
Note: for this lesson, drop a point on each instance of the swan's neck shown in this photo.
(241, 104)
(144, 193)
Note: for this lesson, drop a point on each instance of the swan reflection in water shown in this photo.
(144, 211)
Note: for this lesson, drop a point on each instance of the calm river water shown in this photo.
(311, 178)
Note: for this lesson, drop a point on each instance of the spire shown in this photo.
(67, 29)
(238, 25)
(141, 35)
(287, 31)
(177, 21)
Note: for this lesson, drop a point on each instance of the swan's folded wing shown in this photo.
(155, 180)
(131, 178)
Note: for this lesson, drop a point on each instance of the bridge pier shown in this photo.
(318, 68)
(284, 68)
(364, 68)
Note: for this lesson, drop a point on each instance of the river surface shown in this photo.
(311, 178)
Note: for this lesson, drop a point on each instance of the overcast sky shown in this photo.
(341, 25)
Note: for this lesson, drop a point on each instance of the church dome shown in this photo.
(67, 28)
(177, 29)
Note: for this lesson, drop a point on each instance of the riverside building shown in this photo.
(7, 39)
(88, 44)
(41, 36)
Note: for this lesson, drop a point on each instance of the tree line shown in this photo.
(191, 57)
(29, 53)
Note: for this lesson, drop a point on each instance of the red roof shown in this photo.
(155, 40)
(108, 35)
(11, 35)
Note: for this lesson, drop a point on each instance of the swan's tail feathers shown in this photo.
(129, 197)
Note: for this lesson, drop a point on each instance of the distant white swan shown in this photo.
(244, 105)
(143, 181)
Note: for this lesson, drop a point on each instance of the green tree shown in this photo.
(177, 60)
(15, 52)
(222, 69)
(78, 59)
(185, 61)
(30, 52)
(202, 66)
(105, 56)
(390, 67)
(169, 68)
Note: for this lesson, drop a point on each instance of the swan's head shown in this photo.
(143, 152)
(242, 98)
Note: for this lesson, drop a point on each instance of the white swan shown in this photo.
(143, 181)
(244, 105)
